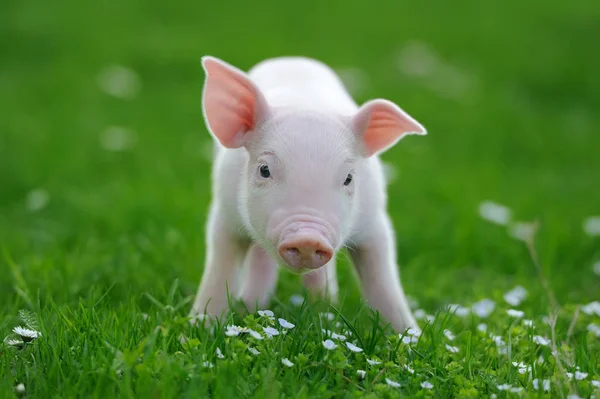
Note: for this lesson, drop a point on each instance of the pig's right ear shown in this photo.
(231, 102)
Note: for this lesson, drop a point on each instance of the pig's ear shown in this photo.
(381, 123)
(231, 102)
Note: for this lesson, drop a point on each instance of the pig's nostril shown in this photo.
(322, 254)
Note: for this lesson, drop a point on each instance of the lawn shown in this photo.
(104, 191)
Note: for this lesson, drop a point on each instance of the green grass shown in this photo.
(121, 227)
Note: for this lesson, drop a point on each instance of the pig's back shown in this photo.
(304, 82)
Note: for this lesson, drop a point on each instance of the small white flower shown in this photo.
(373, 362)
(37, 200)
(266, 313)
(430, 318)
(495, 213)
(449, 335)
(545, 385)
(426, 385)
(207, 365)
(353, 347)
(459, 310)
(409, 339)
(361, 374)
(528, 323)
(523, 368)
(504, 387)
(145, 317)
(596, 268)
(254, 351)
(20, 388)
(334, 335)
(419, 314)
(541, 360)
(569, 375)
(119, 81)
(392, 383)
(270, 331)
(14, 342)
(483, 308)
(413, 332)
(26, 334)
(452, 349)
(117, 138)
(591, 308)
(580, 375)
(286, 362)
(540, 340)
(482, 327)
(329, 344)
(515, 296)
(220, 354)
(327, 315)
(591, 226)
(296, 300)
(515, 313)
(516, 389)
(234, 331)
(255, 334)
(595, 383)
(286, 324)
(522, 230)
(574, 396)
(409, 369)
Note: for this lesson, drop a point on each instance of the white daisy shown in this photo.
(353, 347)
(515, 313)
(449, 335)
(286, 324)
(286, 362)
(266, 313)
(392, 383)
(373, 362)
(574, 396)
(334, 335)
(540, 340)
(413, 332)
(327, 315)
(270, 331)
(580, 375)
(207, 365)
(452, 349)
(459, 310)
(26, 334)
(515, 296)
(409, 369)
(591, 226)
(409, 339)
(20, 388)
(516, 389)
(595, 383)
(329, 344)
(426, 385)
(254, 351)
(494, 212)
(234, 331)
(591, 308)
(296, 300)
(504, 387)
(255, 334)
(219, 353)
(523, 368)
(483, 308)
(545, 385)
(361, 374)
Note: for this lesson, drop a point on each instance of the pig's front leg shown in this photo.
(224, 251)
(323, 282)
(259, 278)
(374, 258)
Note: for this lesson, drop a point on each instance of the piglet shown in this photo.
(296, 177)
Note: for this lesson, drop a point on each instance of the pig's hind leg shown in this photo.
(224, 253)
(374, 258)
(259, 277)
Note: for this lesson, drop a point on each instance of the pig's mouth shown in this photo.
(304, 245)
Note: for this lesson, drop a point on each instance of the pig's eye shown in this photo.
(264, 171)
(348, 180)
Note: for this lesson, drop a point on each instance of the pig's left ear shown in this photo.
(231, 102)
(381, 123)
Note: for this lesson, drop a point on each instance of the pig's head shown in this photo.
(299, 195)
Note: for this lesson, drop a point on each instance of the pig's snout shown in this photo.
(303, 251)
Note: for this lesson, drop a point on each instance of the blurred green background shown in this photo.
(104, 165)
